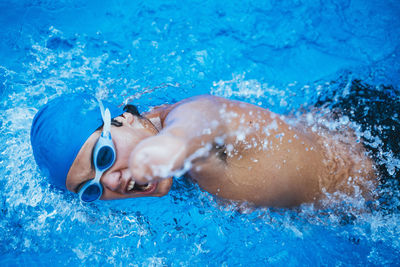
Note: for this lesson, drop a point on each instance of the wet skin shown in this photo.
(236, 151)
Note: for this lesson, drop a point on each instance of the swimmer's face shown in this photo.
(116, 180)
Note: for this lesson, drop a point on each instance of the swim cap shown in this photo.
(60, 129)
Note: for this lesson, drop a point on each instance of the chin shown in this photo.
(163, 187)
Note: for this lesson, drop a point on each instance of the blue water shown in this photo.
(281, 55)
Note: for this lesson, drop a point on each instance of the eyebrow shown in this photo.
(92, 158)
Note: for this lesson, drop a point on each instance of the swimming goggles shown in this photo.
(103, 156)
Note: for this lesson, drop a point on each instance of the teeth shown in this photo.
(147, 186)
(131, 185)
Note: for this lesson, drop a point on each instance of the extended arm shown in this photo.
(188, 126)
(266, 161)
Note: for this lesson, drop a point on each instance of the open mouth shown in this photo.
(144, 189)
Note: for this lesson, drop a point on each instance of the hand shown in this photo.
(157, 157)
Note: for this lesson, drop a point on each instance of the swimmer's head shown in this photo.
(60, 129)
(63, 136)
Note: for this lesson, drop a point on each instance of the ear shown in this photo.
(127, 117)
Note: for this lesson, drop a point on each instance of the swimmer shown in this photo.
(231, 149)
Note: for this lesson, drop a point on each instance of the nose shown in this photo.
(111, 180)
(116, 180)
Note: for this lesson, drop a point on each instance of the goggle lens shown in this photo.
(105, 157)
(91, 193)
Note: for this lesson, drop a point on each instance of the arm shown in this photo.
(268, 162)
(188, 126)
(191, 127)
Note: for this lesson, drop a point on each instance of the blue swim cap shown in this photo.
(60, 129)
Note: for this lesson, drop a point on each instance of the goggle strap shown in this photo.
(106, 116)
(107, 123)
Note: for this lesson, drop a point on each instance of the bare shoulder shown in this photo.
(160, 113)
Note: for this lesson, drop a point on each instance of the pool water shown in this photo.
(282, 55)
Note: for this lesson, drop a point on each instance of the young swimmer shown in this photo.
(233, 150)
